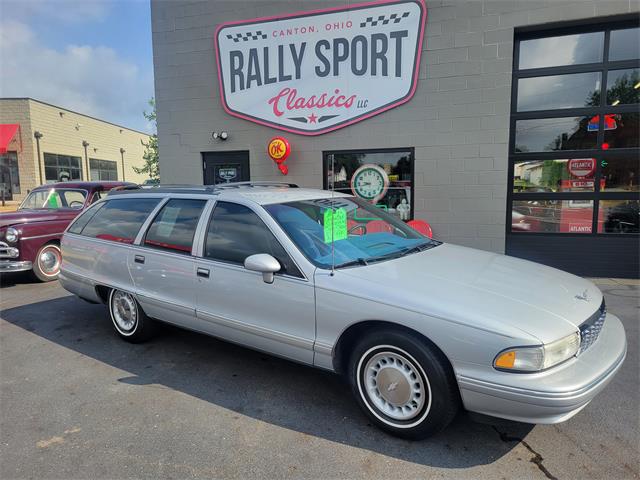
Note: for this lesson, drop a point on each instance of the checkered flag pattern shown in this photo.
(384, 20)
(245, 37)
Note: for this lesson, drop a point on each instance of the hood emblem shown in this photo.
(584, 296)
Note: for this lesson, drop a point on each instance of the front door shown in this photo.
(225, 167)
(236, 304)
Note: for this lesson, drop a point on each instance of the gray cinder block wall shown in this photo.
(458, 120)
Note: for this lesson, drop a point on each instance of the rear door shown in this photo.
(162, 265)
(236, 304)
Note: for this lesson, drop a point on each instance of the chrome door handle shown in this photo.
(202, 272)
(138, 259)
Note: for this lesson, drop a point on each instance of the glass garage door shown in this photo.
(574, 198)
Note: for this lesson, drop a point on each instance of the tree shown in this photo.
(150, 167)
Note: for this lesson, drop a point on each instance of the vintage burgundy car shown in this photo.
(30, 236)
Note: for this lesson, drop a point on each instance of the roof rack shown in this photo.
(178, 188)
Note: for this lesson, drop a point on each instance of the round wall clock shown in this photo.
(370, 182)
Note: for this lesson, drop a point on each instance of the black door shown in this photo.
(225, 167)
(6, 192)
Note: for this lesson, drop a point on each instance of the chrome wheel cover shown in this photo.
(124, 312)
(49, 260)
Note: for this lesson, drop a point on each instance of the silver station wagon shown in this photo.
(419, 328)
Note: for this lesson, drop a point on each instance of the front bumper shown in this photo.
(552, 396)
(17, 266)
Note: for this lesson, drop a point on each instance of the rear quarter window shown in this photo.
(119, 220)
(81, 220)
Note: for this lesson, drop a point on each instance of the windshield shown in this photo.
(360, 232)
(54, 198)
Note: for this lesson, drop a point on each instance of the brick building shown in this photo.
(510, 126)
(42, 143)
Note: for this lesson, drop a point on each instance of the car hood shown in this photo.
(32, 216)
(482, 289)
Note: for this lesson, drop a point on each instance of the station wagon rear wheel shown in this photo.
(403, 383)
(128, 319)
(46, 266)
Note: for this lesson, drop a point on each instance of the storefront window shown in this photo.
(382, 177)
(553, 134)
(623, 87)
(559, 91)
(619, 216)
(552, 216)
(620, 174)
(562, 50)
(538, 176)
(105, 170)
(62, 168)
(10, 174)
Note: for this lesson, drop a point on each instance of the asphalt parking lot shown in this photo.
(76, 402)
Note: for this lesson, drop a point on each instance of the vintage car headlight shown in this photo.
(11, 235)
(534, 359)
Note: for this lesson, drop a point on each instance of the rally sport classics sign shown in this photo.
(317, 71)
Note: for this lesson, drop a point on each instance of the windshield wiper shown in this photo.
(350, 263)
(418, 248)
(403, 252)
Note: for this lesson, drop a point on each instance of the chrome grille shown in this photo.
(6, 251)
(590, 330)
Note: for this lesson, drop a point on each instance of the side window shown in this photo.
(119, 220)
(174, 226)
(82, 219)
(236, 232)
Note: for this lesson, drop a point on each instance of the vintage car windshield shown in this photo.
(54, 198)
(360, 232)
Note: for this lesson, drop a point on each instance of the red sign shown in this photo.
(279, 150)
(582, 167)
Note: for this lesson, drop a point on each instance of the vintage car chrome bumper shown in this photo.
(9, 266)
(554, 395)
(8, 259)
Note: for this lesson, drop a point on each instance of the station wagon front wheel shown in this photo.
(403, 384)
(129, 320)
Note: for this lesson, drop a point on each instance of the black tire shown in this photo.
(426, 391)
(46, 265)
(123, 305)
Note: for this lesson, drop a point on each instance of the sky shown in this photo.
(90, 56)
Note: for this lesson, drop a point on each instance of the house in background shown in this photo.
(42, 143)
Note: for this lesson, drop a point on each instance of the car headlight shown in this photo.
(535, 359)
(11, 235)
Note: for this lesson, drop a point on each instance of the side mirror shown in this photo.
(263, 263)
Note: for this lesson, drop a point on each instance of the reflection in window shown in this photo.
(559, 91)
(564, 50)
(619, 216)
(174, 226)
(538, 176)
(105, 170)
(625, 44)
(397, 166)
(552, 216)
(623, 87)
(120, 220)
(62, 168)
(620, 174)
(622, 131)
(9, 171)
(236, 232)
(552, 134)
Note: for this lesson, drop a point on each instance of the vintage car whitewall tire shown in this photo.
(129, 320)
(403, 383)
(46, 265)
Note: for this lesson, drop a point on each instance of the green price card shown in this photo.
(53, 202)
(335, 225)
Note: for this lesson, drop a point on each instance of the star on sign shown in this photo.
(312, 118)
